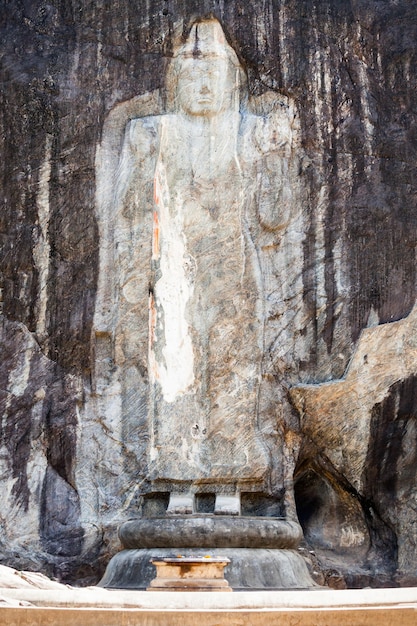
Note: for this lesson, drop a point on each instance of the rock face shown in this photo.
(334, 254)
(346, 495)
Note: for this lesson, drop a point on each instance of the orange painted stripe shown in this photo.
(156, 190)
(155, 235)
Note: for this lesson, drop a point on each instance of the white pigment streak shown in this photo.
(172, 292)
(41, 249)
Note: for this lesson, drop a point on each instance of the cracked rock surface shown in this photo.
(339, 276)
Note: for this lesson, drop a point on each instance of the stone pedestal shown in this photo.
(190, 574)
(262, 551)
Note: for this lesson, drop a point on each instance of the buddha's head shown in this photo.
(207, 72)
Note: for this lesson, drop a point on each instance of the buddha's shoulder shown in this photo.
(268, 132)
(140, 127)
(143, 133)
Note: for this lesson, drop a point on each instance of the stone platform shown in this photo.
(261, 550)
(249, 568)
(206, 531)
(101, 607)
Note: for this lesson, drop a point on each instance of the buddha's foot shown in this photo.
(227, 504)
(180, 504)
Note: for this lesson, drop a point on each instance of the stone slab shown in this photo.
(319, 598)
(364, 616)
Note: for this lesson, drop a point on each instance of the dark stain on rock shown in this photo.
(391, 467)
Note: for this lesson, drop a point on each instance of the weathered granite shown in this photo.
(16, 579)
(345, 261)
(377, 398)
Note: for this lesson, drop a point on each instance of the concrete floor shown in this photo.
(100, 607)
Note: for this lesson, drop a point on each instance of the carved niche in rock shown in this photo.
(189, 199)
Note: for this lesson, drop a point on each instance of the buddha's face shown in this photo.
(205, 86)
